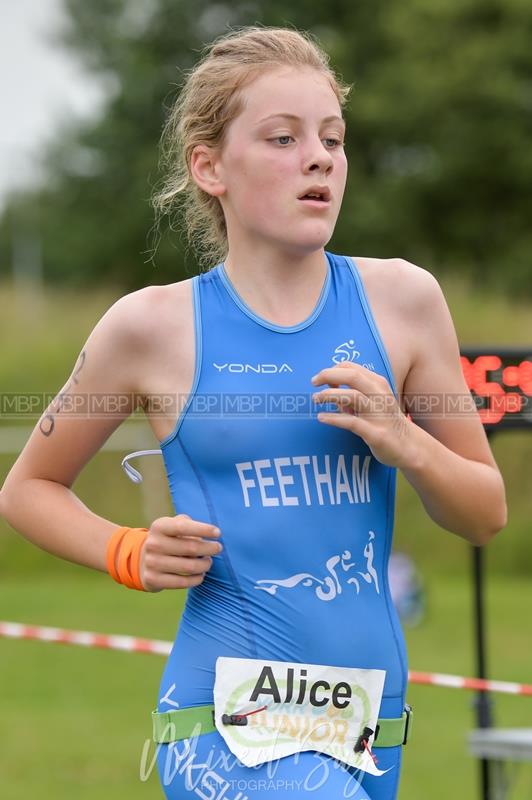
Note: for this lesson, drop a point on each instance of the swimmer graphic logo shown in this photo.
(345, 352)
(330, 586)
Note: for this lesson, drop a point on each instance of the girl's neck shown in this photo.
(283, 289)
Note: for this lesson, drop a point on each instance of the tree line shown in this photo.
(439, 127)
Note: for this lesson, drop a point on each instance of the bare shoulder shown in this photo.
(114, 366)
(420, 336)
(147, 319)
(398, 282)
(417, 294)
(399, 294)
(412, 297)
(143, 316)
(407, 298)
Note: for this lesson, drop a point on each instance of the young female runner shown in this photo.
(304, 502)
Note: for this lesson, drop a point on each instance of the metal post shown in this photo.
(483, 702)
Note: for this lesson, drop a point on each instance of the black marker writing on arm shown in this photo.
(47, 424)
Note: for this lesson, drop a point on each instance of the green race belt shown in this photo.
(172, 726)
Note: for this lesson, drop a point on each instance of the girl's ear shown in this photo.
(203, 166)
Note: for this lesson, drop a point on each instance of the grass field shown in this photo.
(73, 722)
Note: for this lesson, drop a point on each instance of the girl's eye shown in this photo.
(335, 142)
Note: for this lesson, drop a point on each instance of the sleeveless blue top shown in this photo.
(305, 510)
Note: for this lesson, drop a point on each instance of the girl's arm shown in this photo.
(37, 499)
(443, 451)
(453, 469)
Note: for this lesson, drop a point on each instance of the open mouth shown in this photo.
(317, 194)
(317, 197)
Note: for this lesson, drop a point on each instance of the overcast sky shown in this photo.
(40, 85)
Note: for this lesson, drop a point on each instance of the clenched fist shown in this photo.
(177, 553)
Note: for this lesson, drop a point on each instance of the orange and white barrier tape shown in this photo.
(478, 684)
(16, 630)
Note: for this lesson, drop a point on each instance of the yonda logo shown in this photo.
(258, 368)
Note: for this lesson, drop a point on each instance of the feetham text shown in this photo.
(305, 480)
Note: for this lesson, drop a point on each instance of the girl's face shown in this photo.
(288, 139)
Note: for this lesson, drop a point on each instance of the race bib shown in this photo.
(265, 710)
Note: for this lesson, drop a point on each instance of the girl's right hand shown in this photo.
(177, 553)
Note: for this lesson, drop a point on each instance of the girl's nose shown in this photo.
(318, 156)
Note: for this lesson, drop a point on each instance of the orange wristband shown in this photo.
(112, 546)
(123, 556)
(135, 558)
(126, 547)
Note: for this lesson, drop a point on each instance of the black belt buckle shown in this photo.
(409, 711)
(234, 719)
(364, 737)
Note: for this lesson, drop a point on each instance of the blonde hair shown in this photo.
(207, 103)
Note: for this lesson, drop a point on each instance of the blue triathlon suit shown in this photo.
(306, 513)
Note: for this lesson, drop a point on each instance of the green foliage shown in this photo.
(438, 131)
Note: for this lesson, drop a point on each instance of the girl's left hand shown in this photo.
(367, 408)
